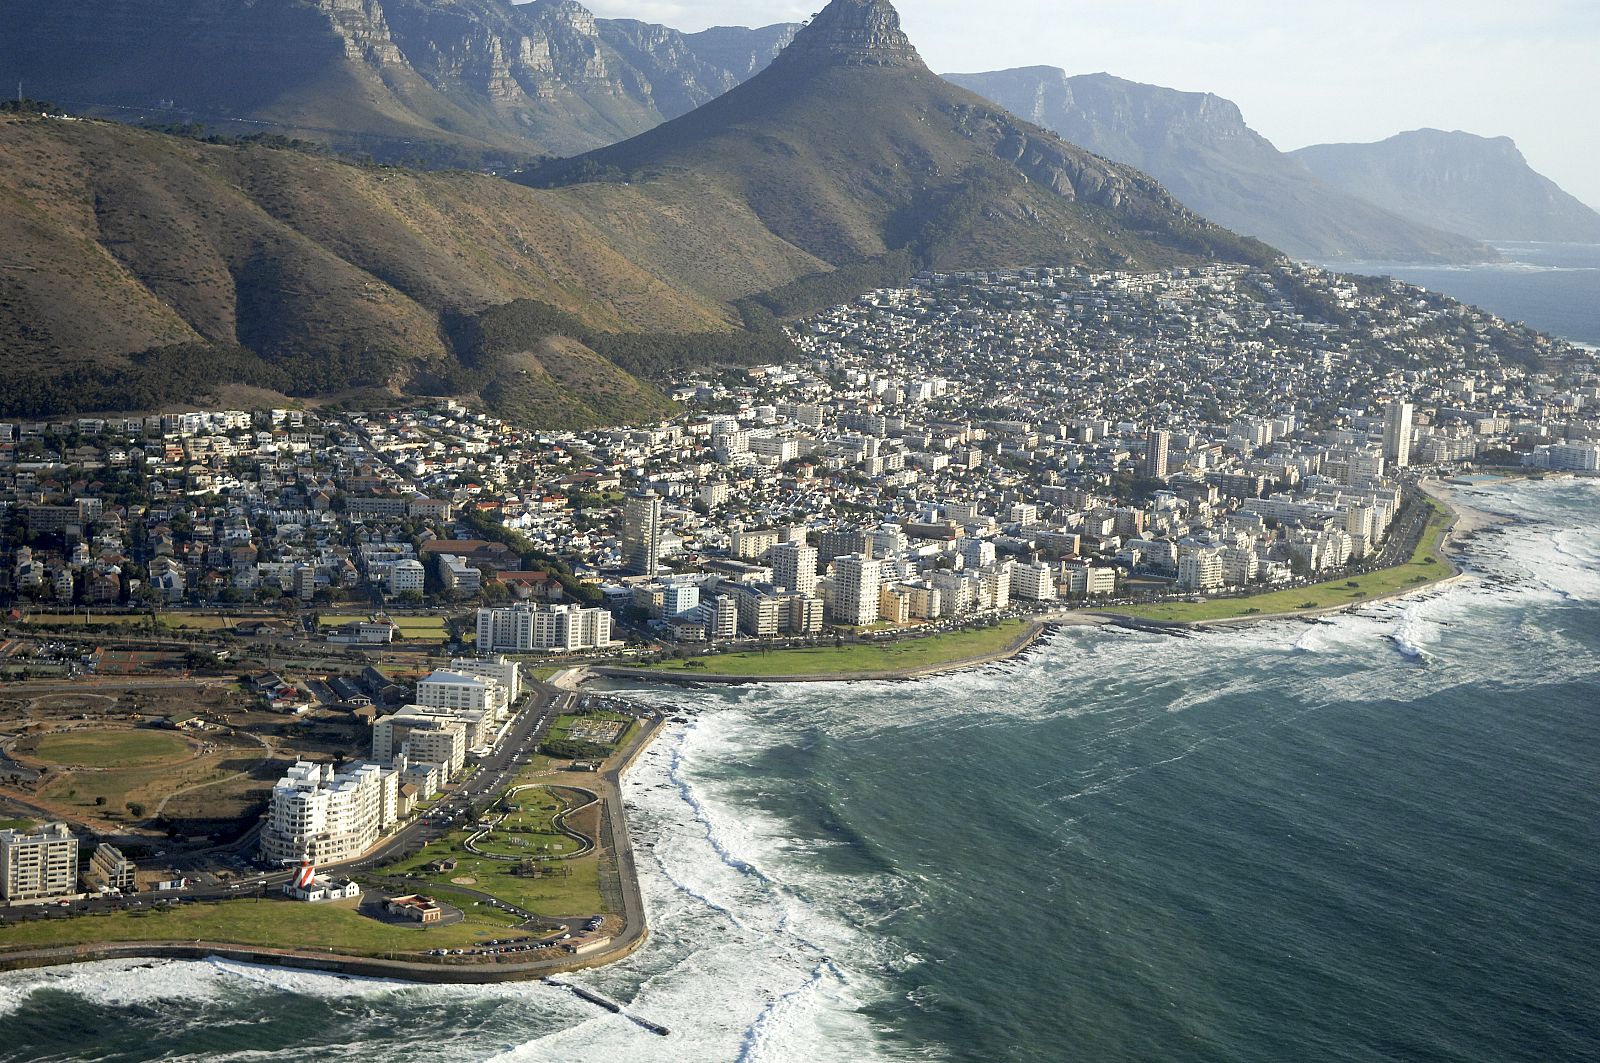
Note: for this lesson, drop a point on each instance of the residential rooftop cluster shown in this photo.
(950, 449)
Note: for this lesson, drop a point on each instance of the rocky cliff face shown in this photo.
(545, 76)
(1199, 147)
(849, 149)
(1481, 186)
(853, 33)
(743, 53)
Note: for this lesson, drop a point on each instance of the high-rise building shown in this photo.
(1034, 581)
(794, 567)
(38, 865)
(837, 542)
(1156, 442)
(458, 690)
(641, 534)
(524, 629)
(1397, 433)
(325, 817)
(857, 583)
(1200, 570)
(722, 617)
(425, 735)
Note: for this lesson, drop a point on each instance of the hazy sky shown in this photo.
(1303, 73)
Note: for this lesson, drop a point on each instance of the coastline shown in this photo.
(1464, 519)
(616, 839)
(1034, 631)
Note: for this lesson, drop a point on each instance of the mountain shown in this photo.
(1199, 147)
(140, 268)
(1481, 186)
(848, 148)
(439, 79)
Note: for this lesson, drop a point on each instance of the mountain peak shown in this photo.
(852, 33)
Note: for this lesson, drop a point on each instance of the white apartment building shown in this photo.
(1034, 582)
(1082, 580)
(325, 817)
(109, 869)
(507, 673)
(760, 614)
(405, 575)
(1397, 433)
(423, 735)
(857, 581)
(526, 628)
(752, 544)
(794, 567)
(455, 690)
(1199, 570)
(1567, 457)
(38, 865)
(721, 617)
(458, 577)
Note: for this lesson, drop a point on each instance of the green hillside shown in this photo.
(138, 268)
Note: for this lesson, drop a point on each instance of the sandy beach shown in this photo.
(1468, 518)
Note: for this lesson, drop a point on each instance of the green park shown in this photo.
(906, 655)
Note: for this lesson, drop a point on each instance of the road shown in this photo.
(494, 774)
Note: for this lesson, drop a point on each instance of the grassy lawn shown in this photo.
(553, 894)
(530, 831)
(95, 619)
(1425, 566)
(902, 655)
(269, 922)
(114, 749)
(129, 767)
(200, 621)
(563, 726)
(16, 824)
(430, 628)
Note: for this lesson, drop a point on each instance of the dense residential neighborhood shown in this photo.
(947, 450)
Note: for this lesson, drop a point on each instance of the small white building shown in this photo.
(311, 887)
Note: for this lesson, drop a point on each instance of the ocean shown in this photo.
(1552, 287)
(1371, 837)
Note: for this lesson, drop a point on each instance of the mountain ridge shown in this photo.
(1200, 147)
(463, 79)
(1482, 186)
(921, 154)
(165, 265)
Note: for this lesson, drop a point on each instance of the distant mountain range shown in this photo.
(1420, 196)
(478, 83)
(1481, 186)
(850, 149)
(139, 268)
(1198, 146)
(440, 79)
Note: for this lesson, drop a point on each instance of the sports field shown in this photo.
(425, 628)
(112, 749)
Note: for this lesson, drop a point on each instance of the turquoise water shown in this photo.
(1553, 287)
(1372, 838)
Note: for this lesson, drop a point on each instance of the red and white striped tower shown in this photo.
(306, 877)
